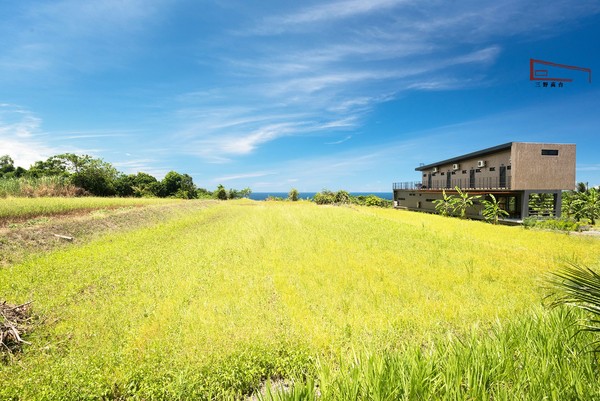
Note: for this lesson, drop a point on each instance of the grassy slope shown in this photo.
(12, 209)
(219, 298)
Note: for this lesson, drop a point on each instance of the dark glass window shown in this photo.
(549, 152)
(464, 171)
(478, 170)
(442, 173)
(508, 167)
(492, 168)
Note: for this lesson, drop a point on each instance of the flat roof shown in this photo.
(471, 155)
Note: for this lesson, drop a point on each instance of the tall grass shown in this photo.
(212, 303)
(23, 208)
(38, 187)
(537, 356)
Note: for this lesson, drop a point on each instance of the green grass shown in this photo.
(24, 208)
(211, 303)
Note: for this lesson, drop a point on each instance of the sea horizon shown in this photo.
(259, 196)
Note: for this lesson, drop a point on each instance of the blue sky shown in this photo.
(272, 95)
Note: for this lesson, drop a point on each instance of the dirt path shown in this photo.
(20, 239)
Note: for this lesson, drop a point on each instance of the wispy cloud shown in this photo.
(243, 176)
(325, 13)
(340, 141)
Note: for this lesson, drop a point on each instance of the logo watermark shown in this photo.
(546, 74)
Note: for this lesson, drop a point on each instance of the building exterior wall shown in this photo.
(532, 170)
(511, 172)
(484, 177)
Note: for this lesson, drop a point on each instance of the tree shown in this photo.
(293, 195)
(342, 197)
(245, 193)
(203, 193)
(325, 197)
(233, 194)
(220, 193)
(587, 205)
(7, 165)
(179, 185)
(582, 187)
(492, 210)
(444, 206)
(462, 202)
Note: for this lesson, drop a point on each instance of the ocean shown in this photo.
(304, 195)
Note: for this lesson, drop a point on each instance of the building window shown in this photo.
(424, 175)
(453, 173)
(508, 167)
(478, 170)
(549, 152)
(429, 200)
(401, 199)
(441, 173)
(492, 168)
(464, 171)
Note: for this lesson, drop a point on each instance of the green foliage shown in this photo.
(99, 178)
(293, 195)
(462, 202)
(541, 204)
(583, 204)
(535, 357)
(38, 187)
(210, 303)
(587, 205)
(342, 197)
(7, 165)
(245, 193)
(549, 223)
(325, 197)
(579, 287)
(178, 185)
(492, 210)
(203, 193)
(445, 206)
(220, 193)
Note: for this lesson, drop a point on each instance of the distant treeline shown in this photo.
(341, 197)
(69, 174)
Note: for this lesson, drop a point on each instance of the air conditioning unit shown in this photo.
(481, 163)
(455, 166)
(435, 170)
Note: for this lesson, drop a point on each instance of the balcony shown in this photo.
(479, 183)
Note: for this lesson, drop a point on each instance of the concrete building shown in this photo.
(518, 174)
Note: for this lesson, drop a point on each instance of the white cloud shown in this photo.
(340, 141)
(325, 13)
(243, 176)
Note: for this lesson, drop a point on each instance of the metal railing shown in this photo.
(462, 183)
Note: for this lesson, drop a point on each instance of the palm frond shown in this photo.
(579, 286)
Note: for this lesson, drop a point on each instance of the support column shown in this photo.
(557, 204)
(525, 204)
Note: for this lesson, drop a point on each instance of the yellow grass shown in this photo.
(240, 290)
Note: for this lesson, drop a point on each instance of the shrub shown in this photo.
(293, 195)
(558, 224)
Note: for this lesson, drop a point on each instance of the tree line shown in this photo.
(94, 176)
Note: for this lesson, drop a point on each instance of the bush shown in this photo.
(325, 197)
(558, 224)
(293, 195)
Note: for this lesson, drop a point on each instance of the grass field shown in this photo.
(211, 303)
(14, 209)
